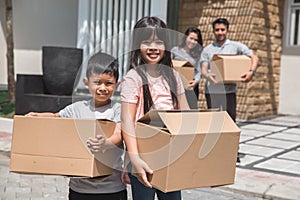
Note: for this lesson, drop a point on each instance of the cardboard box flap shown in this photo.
(181, 63)
(107, 127)
(190, 121)
(184, 123)
(152, 118)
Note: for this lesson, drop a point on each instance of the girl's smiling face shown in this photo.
(152, 49)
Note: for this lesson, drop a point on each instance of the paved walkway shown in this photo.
(269, 168)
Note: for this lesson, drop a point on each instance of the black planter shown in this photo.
(60, 67)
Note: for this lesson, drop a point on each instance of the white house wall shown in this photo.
(289, 90)
(38, 23)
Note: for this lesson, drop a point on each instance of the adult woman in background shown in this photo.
(190, 50)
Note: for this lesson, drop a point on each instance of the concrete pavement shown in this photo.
(269, 168)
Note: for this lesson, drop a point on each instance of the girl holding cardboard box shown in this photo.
(151, 83)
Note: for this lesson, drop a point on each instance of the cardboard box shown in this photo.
(229, 68)
(185, 69)
(42, 145)
(188, 149)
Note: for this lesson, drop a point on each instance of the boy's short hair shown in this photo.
(221, 21)
(102, 63)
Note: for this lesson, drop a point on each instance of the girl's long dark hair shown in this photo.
(143, 30)
(196, 51)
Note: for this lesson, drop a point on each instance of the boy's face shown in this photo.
(101, 87)
(220, 32)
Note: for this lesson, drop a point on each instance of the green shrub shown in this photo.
(6, 109)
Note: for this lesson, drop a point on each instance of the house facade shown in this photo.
(271, 28)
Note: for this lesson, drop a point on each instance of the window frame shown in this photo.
(288, 47)
(293, 14)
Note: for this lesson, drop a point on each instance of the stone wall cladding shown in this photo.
(257, 24)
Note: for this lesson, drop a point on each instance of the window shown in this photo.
(294, 37)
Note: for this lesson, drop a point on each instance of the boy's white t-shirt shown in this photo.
(132, 91)
(85, 110)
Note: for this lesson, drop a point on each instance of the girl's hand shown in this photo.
(97, 144)
(141, 170)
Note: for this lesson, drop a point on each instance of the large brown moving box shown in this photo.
(188, 149)
(58, 146)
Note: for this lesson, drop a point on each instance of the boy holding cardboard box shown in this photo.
(101, 79)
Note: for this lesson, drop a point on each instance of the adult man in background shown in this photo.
(219, 95)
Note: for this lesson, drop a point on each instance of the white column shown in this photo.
(83, 26)
(159, 9)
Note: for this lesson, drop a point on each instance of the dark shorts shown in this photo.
(122, 195)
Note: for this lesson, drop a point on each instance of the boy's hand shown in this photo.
(96, 144)
(42, 114)
(125, 178)
(32, 114)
